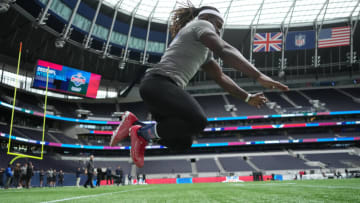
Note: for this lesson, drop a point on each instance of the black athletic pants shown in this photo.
(179, 116)
(89, 180)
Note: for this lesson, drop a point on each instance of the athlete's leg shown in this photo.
(178, 114)
(176, 133)
(122, 131)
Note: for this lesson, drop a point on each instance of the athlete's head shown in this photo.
(185, 14)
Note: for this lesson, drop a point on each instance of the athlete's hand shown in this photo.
(267, 82)
(257, 100)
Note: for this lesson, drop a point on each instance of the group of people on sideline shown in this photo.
(23, 175)
(98, 174)
(18, 176)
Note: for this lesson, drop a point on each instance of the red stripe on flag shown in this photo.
(334, 41)
(333, 45)
(267, 42)
(340, 36)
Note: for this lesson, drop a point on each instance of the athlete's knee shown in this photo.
(200, 122)
(178, 144)
(144, 90)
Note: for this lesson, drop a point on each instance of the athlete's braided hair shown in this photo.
(183, 15)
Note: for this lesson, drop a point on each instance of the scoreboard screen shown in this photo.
(66, 79)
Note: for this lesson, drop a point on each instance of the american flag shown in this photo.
(334, 37)
(267, 42)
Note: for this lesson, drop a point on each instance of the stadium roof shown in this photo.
(244, 13)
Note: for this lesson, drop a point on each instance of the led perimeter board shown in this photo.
(66, 80)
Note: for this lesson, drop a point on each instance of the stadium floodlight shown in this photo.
(5, 5)
(83, 113)
(59, 43)
(122, 65)
(354, 57)
(281, 73)
(43, 21)
(117, 114)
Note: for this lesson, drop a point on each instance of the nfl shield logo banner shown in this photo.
(300, 40)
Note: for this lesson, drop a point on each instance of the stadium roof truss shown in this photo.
(245, 13)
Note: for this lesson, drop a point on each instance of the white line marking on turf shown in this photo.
(264, 184)
(298, 185)
(87, 196)
(329, 187)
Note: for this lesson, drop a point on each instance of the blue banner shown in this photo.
(300, 40)
(66, 80)
(183, 180)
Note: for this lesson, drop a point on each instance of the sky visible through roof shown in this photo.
(244, 13)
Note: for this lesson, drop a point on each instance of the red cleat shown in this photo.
(138, 145)
(122, 131)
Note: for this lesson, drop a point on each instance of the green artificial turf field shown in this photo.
(347, 190)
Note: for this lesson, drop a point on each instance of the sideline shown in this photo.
(97, 195)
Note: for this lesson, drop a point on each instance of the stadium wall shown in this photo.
(70, 180)
(204, 179)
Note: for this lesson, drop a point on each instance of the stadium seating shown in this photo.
(297, 98)
(100, 110)
(62, 138)
(4, 128)
(231, 164)
(166, 166)
(36, 134)
(23, 99)
(217, 139)
(213, 106)
(243, 109)
(312, 135)
(64, 108)
(262, 137)
(335, 160)
(275, 97)
(355, 92)
(334, 100)
(206, 165)
(278, 162)
(138, 108)
(30, 133)
(349, 133)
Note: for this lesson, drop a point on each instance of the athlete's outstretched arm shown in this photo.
(232, 57)
(215, 72)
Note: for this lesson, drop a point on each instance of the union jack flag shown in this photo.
(267, 42)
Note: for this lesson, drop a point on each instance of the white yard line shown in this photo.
(298, 185)
(329, 187)
(97, 195)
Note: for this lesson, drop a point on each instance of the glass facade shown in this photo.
(101, 32)
(243, 13)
